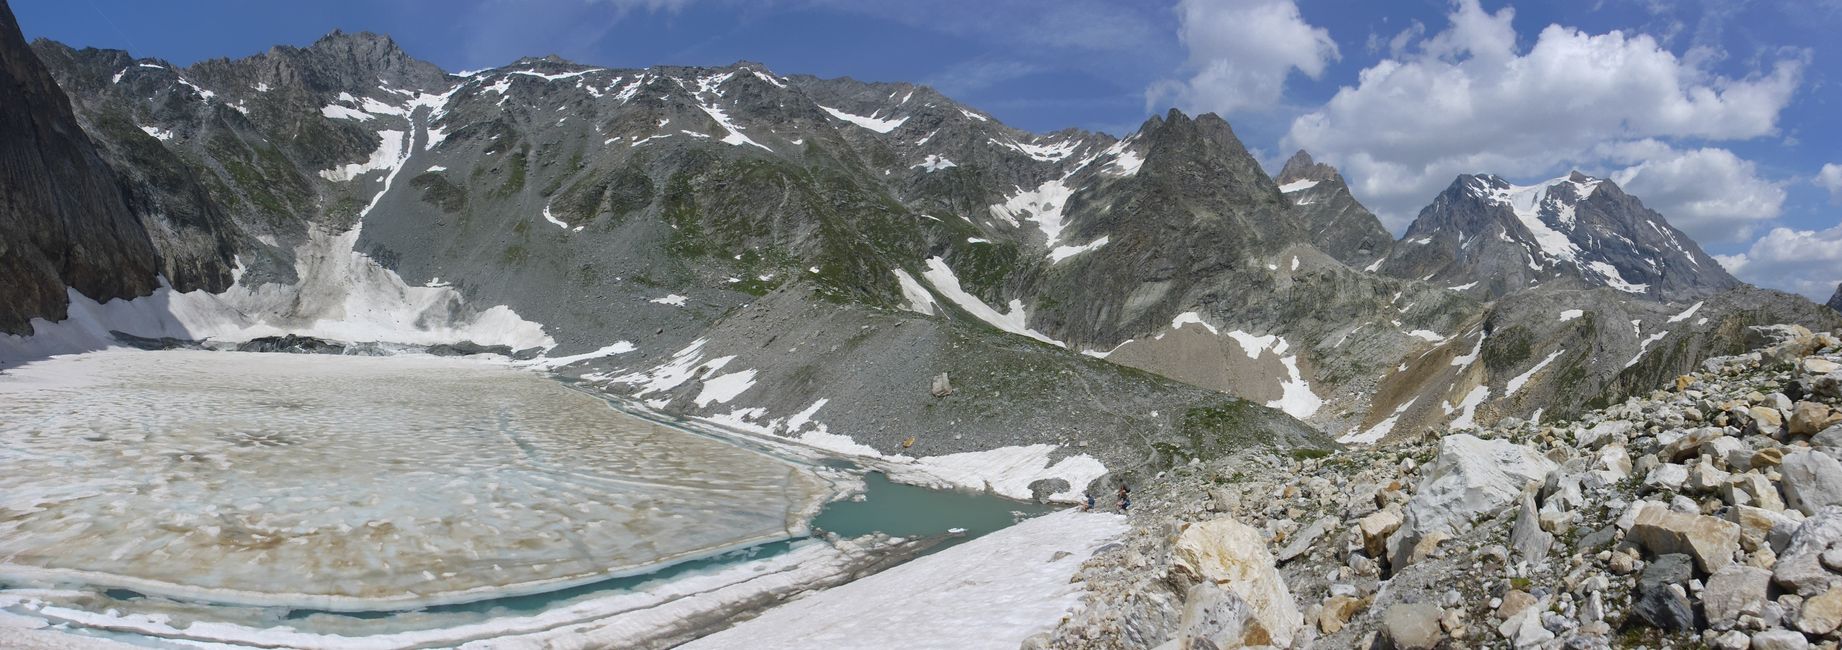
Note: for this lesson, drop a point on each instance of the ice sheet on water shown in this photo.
(356, 483)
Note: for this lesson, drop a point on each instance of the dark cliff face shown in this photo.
(1340, 225)
(66, 220)
(1835, 300)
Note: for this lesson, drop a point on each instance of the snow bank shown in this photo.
(1042, 205)
(1016, 321)
(1516, 383)
(991, 592)
(1064, 252)
(919, 300)
(871, 122)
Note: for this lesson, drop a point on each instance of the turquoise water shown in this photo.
(910, 511)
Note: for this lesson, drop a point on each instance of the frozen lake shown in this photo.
(357, 483)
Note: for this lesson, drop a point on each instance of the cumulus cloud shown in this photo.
(1709, 193)
(1831, 179)
(1469, 99)
(1801, 261)
(1240, 53)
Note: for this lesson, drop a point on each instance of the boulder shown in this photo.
(1768, 420)
(1470, 476)
(1375, 530)
(1301, 541)
(1412, 626)
(1527, 537)
(1756, 524)
(1215, 617)
(1808, 418)
(1337, 612)
(1822, 613)
(1799, 568)
(1735, 591)
(941, 387)
(1710, 541)
(1779, 640)
(1812, 480)
(1233, 555)
(1758, 490)
(1667, 476)
(1662, 600)
(1525, 629)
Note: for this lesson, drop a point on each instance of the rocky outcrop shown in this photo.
(65, 220)
(1339, 224)
(1835, 299)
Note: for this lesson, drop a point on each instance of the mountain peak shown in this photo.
(1578, 229)
(1300, 167)
(1835, 301)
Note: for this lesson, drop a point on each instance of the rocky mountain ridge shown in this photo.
(1487, 235)
(635, 220)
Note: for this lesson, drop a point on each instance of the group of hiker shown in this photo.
(1125, 499)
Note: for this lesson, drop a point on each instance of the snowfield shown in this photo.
(991, 592)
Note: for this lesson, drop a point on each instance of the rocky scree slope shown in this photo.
(1704, 514)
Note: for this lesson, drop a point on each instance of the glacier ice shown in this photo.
(357, 483)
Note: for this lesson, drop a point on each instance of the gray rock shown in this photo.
(1800, 565)
(1527, 537)
(1215, 617)
(1779, 640)
(1733, 592)
(1812, 480)
(1469, 477)
(1412, 626)
(1302, 540)
(1662, 598)
(941, 387)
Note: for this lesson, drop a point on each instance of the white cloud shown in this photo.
(1468, 99)
(1801, 261)
(1709, 193)
(1831, 179)
(1241, 52)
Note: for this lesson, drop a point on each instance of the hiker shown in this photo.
(1089, 506)
(1125, 497)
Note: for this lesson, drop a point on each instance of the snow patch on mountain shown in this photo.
(871, 122)
(1296, 397)
(919, 300)
(1516, 383)
(1016, 321)
(721, 389)
(934, 163)
(1060, 253)
(391, 149)
(1043, 206)
(1298, 186)
(1052, 152)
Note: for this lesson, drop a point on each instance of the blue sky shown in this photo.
(1717, 114)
